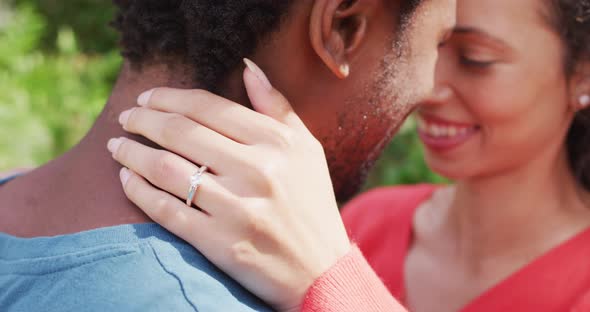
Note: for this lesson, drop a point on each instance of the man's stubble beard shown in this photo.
(392, 84)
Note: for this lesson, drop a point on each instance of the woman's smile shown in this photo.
(442, 135)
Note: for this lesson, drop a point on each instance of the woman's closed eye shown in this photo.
(476, 57)
(473, 55)
(474, 62)
(477, 49)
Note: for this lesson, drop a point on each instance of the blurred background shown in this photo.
(58, 61)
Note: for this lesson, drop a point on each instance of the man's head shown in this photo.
(352, 69)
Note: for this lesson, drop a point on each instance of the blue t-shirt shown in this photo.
(138, 267)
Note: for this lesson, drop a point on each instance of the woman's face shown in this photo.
(501, 98)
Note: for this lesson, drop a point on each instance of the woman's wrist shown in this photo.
(350, 285)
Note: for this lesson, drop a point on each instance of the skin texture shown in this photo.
(309, 74)
(515, 197)
(354, 125)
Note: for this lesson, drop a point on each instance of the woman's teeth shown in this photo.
(440, 131)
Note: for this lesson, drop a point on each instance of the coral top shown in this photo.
(380, 222)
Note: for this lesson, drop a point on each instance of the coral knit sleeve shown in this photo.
(350, 286)
(380, 222)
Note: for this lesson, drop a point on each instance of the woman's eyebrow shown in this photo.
(469, 30)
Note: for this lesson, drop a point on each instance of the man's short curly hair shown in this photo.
(210, 35)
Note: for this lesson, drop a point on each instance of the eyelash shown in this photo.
(476, 64)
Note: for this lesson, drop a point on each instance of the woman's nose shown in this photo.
(440, 95)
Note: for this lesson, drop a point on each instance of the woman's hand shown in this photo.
(268, 216)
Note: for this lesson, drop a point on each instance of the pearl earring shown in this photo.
(585, 100)
(345, 71)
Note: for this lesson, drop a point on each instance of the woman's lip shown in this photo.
(443, 144)
(438, 120)
(442, 135)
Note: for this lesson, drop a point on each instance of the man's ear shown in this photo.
(580, 87)
(337, 29)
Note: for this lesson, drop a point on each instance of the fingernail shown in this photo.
(124, 117)
(113, 145)
(585, 100)
(259, 74)
(124, 175)
(144, 98)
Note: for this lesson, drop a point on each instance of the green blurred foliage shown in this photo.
(58, 62)
(403, 161)
(88, 20)
(48, 99)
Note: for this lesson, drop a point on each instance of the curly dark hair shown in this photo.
(571, 19)
(211, 36)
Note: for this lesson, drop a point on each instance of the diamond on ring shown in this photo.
(195, 181)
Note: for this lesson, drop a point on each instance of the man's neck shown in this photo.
(81, 190)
